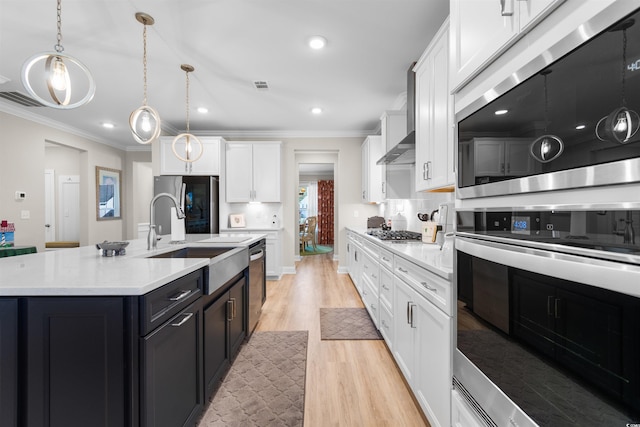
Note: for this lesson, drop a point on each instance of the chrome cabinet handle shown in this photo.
(504, 12)
(385, 259)
(426, 285)
(181, 295)
(402, 270)
(385, 287)
(233, 306)
(409, 313)
(384, 325)
(373, 307)
(229, 311)
(183, 321)
(411, 323)
(374, 276)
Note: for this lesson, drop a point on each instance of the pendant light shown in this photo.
(621, 124)
(546, 147)
(62, 74)
(145, 121)
(189, 139)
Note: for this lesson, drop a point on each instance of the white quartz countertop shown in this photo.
(85, 272)
(426, 255)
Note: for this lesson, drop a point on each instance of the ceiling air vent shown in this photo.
(21, 99)
(261, 85)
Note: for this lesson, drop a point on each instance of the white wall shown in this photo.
(22, 144)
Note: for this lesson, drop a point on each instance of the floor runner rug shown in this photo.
(347, 324)
(265, 384)
(320, 249)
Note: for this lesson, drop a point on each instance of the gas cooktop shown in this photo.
(394, 235)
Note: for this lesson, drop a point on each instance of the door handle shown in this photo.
(181, 295)
(233, 308)
(503, 8)
(229, 311)
(183, 321)
(411, 323)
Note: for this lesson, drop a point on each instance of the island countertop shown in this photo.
(85, 272)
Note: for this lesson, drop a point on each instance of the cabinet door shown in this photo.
(76, 362)
(237, 315)
(517, 158)
(533, 11)
(208, 164)
(171, 385)
(433, 351)
(434, 135)
(480, 29)
(266, 172)
(216, 339)
(489, 158)
(404, 332)
(238, 172)
(9, 362)
(534, 307)
(364, 156)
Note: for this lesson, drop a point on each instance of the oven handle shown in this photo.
(616, 276)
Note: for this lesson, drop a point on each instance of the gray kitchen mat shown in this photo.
(265, 385)
(347, 324)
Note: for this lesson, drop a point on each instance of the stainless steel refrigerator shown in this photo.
(200, 203)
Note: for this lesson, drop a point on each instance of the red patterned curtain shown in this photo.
(325, 212)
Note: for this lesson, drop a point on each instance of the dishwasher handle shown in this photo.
(256, 255)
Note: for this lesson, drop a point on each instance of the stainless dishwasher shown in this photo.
(257, 282)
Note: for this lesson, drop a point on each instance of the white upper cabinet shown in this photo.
(372, 174)
(208, 164)
(434, 110)
(482, 29)
(252, 172)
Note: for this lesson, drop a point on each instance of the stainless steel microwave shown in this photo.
(574, 123)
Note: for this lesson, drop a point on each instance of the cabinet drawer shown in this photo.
(386, 326)
(386, 258)
(386, 288)
(371, 270)
(158, 306)
(434, 288)
(370, 301)
(372, 249)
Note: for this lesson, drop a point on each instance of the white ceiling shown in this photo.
(231, 43)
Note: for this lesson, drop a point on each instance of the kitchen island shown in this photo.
(116, 341)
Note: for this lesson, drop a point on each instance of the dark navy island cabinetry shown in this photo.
(105, 360)
(8, 361)
(225, 328)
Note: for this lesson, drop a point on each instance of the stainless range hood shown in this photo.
(404, 153)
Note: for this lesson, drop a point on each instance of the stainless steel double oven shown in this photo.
(547, 237)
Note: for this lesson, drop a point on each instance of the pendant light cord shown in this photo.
(58, 47)
(624, 66)
(144, 63)
(187, 101)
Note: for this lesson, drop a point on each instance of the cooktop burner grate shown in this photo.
(395, 235)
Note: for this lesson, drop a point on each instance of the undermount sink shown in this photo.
(193, 252)
(224, 263)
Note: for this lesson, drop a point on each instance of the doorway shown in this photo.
(316, 208)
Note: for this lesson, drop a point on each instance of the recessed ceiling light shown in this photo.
(203, 110)
(317, 42)
(108, 125)
(580, 127)
(316, 110)
(501, 112)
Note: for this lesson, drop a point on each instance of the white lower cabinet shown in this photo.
(412, 308)
(461, 414)
(422, 349)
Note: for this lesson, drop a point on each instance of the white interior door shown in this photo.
(69, 208)
(49, 206)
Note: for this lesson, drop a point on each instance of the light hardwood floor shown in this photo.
(349, 383)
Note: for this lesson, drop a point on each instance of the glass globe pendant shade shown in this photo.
(55, 89)
(546, 148)
(145, 124)
(183, 147)
(619, 126)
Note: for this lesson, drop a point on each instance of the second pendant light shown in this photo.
(184, 150)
